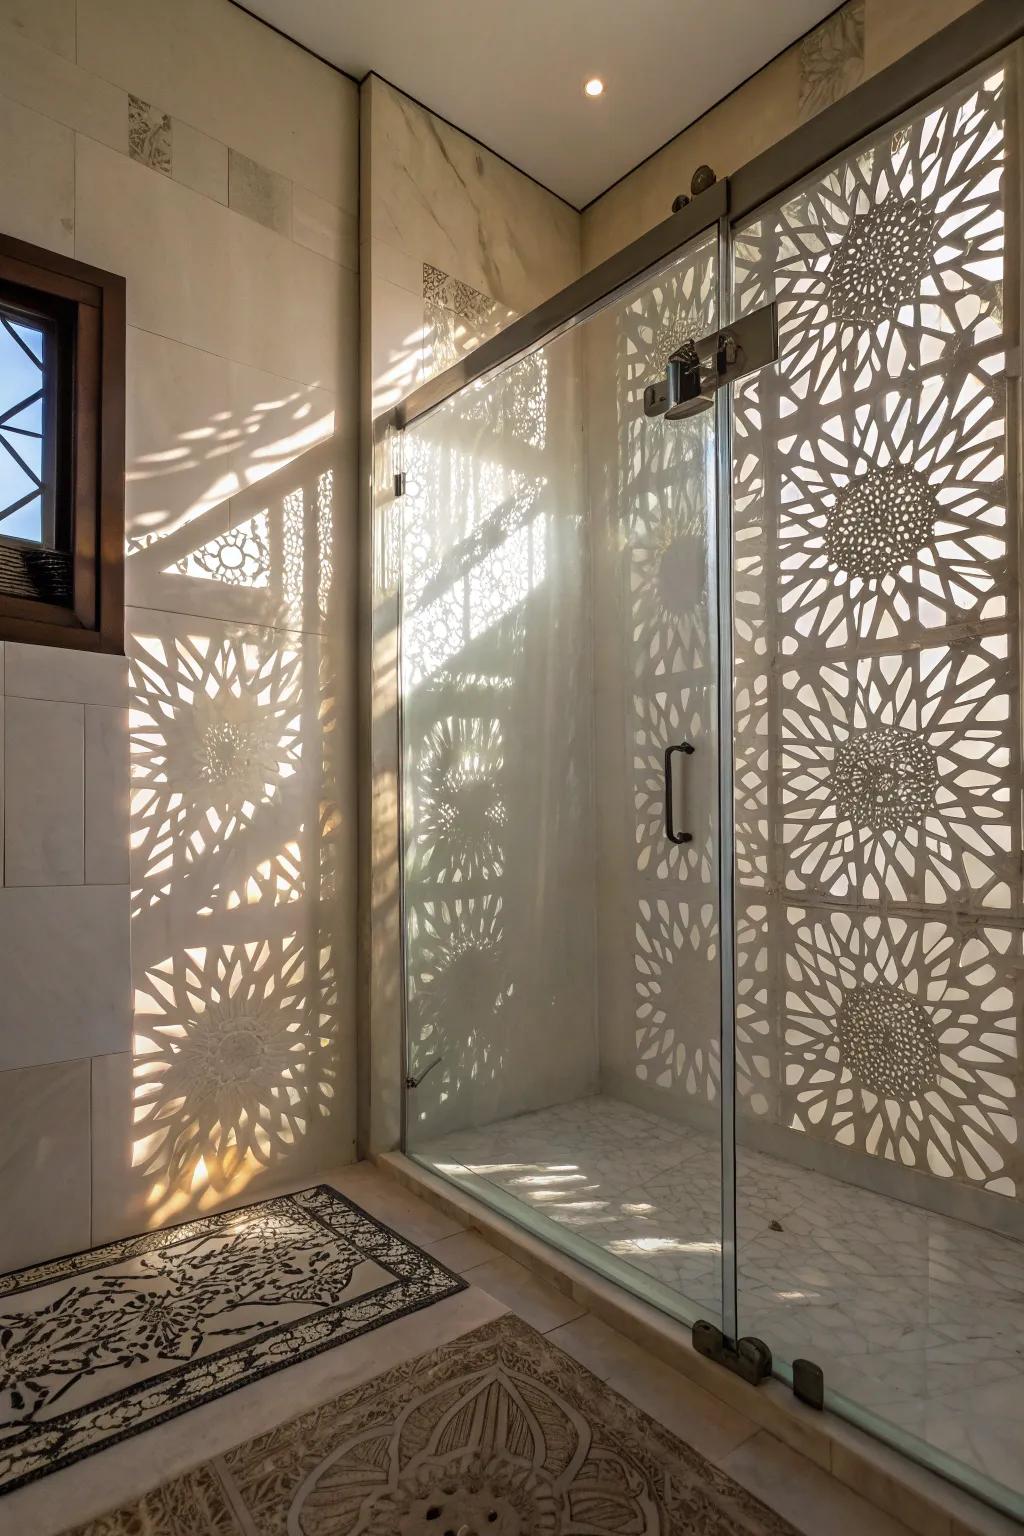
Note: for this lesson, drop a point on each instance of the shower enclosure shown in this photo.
(712, 883)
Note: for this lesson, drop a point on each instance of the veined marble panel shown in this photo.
(443, 198)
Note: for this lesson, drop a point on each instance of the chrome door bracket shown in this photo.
(699, 367)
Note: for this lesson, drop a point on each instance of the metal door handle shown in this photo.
(670, 831)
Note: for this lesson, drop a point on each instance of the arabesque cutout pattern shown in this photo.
(878, 724)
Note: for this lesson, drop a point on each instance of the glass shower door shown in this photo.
(559, 671)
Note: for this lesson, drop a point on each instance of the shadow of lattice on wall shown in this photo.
(238, 917)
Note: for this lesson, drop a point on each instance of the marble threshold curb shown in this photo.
(923, 1501)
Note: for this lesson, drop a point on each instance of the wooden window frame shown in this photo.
(91, 491)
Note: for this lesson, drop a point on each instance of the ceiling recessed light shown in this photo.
(594, 87)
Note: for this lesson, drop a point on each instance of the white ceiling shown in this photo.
(510, 72)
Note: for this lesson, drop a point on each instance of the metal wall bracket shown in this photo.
(750, 1358)
(809, 1383)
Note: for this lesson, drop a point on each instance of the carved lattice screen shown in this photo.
(878, 683)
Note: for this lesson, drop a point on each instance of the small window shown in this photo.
(62, 337)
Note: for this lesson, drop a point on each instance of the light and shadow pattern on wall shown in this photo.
(878, 718)
(236, 828)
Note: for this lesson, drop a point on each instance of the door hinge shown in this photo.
(809, 1383)
(749, 1357)
(400, 483)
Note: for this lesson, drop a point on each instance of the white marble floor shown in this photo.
(916, 1317)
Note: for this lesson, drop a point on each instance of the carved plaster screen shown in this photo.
(877, 691)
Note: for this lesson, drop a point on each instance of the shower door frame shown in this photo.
(991, 27)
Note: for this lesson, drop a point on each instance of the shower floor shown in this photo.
(916, 1317)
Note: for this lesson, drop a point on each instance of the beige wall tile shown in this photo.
(259, 193)
(44, 784)
(45, 672)
(397, 343)
(106, 795)
(755, 116)
(324, 228)
(37, 178)
(50, 23)
(200, 274)
(144, 1176)
(284, 109)
(390, 265)
(44, 1162)
(64, 973)
(199, 162)
(891, 30)
(51, 84)
(214, 445)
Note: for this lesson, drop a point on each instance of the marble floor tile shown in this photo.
(915, 1316)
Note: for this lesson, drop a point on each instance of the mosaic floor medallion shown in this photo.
(106, 1343)
(495, 1434)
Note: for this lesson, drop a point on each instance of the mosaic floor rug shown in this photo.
(106, 1343)
(495, 1434)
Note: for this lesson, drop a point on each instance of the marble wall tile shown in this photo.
(37, 178)
(199, 274)
(44, 793)
(44, 1162)
(44, 672)
(50, 23)
(285, 109)
(324, 228)
(441, 197)
(65, 984)
(199, 162)
(259, 194)
(106, 795)
(50, 83)
(832, 59)
(149, 135)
